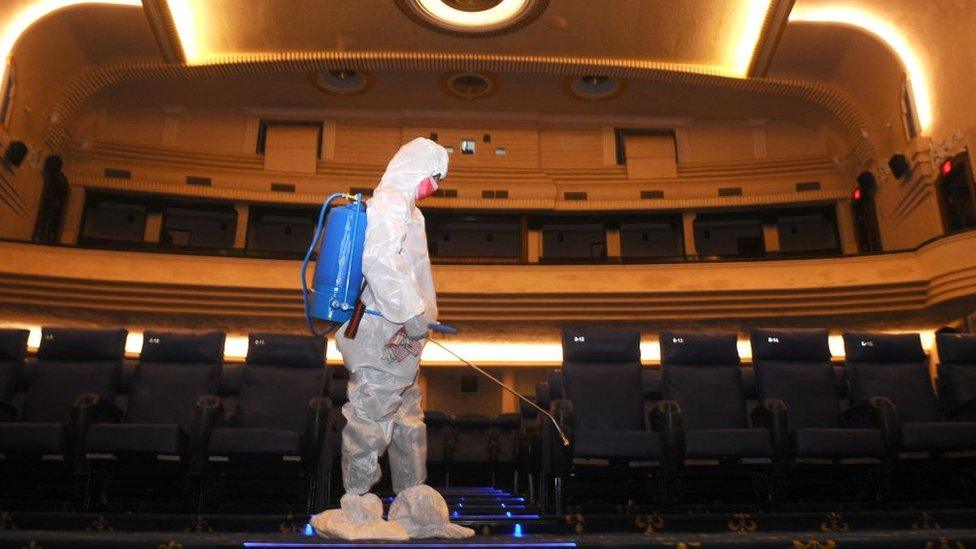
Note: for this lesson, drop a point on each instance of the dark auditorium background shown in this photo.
(619, 166)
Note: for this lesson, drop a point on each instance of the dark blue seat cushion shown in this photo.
(276, 397)
(13, 344)
(711, 397)
(508, 422)
(956, 348)
(13, 349)
(943, 435)
(154, 438)
(167, 393)
(807, 388)
(237, 440)
(893, 366)
(434, 418)
(81, 344)
(635, 445)
(33, 437)
(728, 443)
(180, 347)
(54, 385)
(838, 443)
(699, 349)
(606, 396)
(601, 346)
(298, 351)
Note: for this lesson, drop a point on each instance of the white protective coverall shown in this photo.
(384, 410)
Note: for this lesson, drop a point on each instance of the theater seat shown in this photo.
(891, 371)
(507, 448)
(71, 363)
(281, 411)
(793, 372)
(171, 398)
(957, 375)
(601, 408)
(439, 442)
(702, 382)
(13, 350)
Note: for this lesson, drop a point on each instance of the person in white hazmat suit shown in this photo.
(384, 411)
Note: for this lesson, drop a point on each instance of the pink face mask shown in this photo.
(427, 188)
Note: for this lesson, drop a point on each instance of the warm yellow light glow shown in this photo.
(33, 12)
(492, 354)
(186, 28)
(504, 11)
(753, 17)
(887, 33)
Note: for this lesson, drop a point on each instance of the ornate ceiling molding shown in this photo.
(825, 95)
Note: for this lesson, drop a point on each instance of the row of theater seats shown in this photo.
(225, 434)
(79, 413)
(792, 409)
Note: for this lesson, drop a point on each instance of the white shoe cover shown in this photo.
(422, 511)
(358, 518)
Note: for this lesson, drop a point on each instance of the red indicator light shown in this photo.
(946, 167)
(857, 193)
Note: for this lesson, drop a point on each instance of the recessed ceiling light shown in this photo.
(594, 87)
(469, 85)
(340, 81)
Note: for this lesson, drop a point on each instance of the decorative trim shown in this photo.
(164, 30)
(825, 95)
(777, 18)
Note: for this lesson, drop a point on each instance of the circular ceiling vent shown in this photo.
(594, 87)
(341, 81)
(473, 17)
(469, 85)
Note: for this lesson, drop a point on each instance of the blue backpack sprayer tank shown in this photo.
(338, 281)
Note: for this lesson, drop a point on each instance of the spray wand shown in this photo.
(443, 329)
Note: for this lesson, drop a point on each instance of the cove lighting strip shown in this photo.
(891, 35)
(33, 12)
(500, 354)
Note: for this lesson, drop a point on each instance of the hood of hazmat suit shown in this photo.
(383, 412)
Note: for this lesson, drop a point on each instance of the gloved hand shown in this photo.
(416, 327)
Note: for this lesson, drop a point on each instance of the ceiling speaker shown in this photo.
(899, 165)
(15, 152)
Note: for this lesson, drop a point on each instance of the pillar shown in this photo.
(534, 245)
(74, 210)
(771, 238)
(845, 227)
(613, 245)
(243, 217)
(688, 223)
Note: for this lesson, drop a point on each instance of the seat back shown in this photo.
(508, 429)
(794, 366)
(473, 432)
(13, 350)
(71, 362)
(601, 376)
(438, 431)
(893, 366)
(281, 373)
(957, 369)
(701, 372)
(174, 370)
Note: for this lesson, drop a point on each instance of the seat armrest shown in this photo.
(207, 413)
(8, 412)
(318, 428)
(666, 418)
(772, 415)
(882, 414)
(886, 416)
